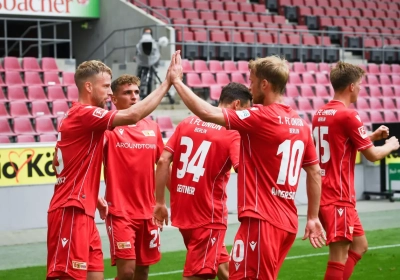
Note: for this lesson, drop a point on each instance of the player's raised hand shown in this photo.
(102, 206)
(381, 132)
(160, 215)
(394, 142)
(175, 70)
(315, 232)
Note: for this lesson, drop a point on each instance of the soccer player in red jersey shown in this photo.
(73, 242)
(275, 145)
(202, 154)
(131, 151)
(338, 133)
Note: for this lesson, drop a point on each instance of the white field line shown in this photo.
(287, 258)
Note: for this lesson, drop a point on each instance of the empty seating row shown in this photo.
(28, 138)
(33, 78)
(48, 64)
(18, 126)
(36, 92)
(33, 109)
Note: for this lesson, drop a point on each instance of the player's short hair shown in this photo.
(235, 91)
(123, 80)
(88, 69)
(273, 69)
(344, 74)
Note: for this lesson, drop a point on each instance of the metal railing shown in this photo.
(39, 42)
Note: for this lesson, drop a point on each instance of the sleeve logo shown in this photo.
(363, 132)
(243, 114)
(99, 113)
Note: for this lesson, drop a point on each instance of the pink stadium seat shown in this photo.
(363, 92)
(60, 107)
(318, 103)
(238, 78)
(173, 4)
(396, 79)
(36, 93)
(375, 103)
(25, 139)
(165, 123)
(2, 96)
(373, 68)
(215, 66)
(31, 64)
(243, 66)
(376, 116)
(304, 104)
(3, 111)
(40, 108)
(292, 91)
(372, 79)
(68, 78)
(4, 139)
(201, 5)
(222, 16)
(49, 64)
(324, 67)
(216, 6)
(306, 91)
(45, 126)
(299, 67)
(16, 93)
(231, 6)
(385, 79)
(390, 116)
(364, 117)
(246, 7)
(374, 91)
(5, 128)
(12, 64)
(200, 66)
(222, 79)
(311, 67)
(387, 91)
(385, 69)
(55, 93)
(33, 78)
(23, 126)
(19, 109)
(207, 79)
(294, 79)
(1, 68)
(14, 78)
(388, 103)
(193, 80)
(322, 79)
(396, 68)
(321, 91)
(396, 91)
(308, 78)
(187, 67)
(72, 93)
(290, 102)
(362, 104)
(207, 15)
(48, 138)
(51, 78)
(215, 92)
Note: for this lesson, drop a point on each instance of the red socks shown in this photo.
(352, 260)
(334, 271)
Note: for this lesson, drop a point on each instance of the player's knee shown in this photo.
(141, 272)
(127, 273)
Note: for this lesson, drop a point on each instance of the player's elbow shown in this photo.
(372, 154)
(163, 162)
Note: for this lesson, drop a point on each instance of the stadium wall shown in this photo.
(117, 14)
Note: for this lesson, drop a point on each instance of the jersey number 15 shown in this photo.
(318, 134)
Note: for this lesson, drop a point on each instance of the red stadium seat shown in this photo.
(187, 67)
(33, 78)
(31, 64)
(238, 78)
(308, 78)
(25, 138)
(48, 138)
(49, 64)
(45, 126)
(294, 79)
(374, 91)
(321, 91)
(60, 107)
(72, 93)
(243, 66)
(11, 64)
(172, 4)
(215, 66)
(19, 109)
(207, 79)
(222, 79)
(23, 126)
(40, 108)
(16, 93)
(385, 69)
(311, 67)
(215, 92)
(306, 91)
(4, 139)
(231, 6)
(188, 4)
(372, 80)
(193, 80)
(36, 93)
(55, 93)
(324, 67)
(322, 79)
(51, 78)
(373, 68)
(299, 67)
(200, 66)
(222, 16)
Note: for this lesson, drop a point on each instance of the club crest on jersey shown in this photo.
(243, 114)
(121, 131)
(148, 133)
(363, 132)
(99, 113)
(79, 265)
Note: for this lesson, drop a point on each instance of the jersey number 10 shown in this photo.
(199, 157)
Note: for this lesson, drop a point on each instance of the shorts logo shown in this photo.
(363, 132)
(109, 229)
(351, 229)
(99, 113)
(79, 265)
(148, 133)
(253, 245)
(213, 241)
(64, 241)
(340, 211)
(243, 114)
(124, 245)
(121, 131)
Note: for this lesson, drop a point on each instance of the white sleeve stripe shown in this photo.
(169, 148)
(370, 144)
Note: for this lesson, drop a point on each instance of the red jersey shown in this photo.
(203, 155)
(275, 144)
(78, 155)
(338, 133)
(130, 155)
